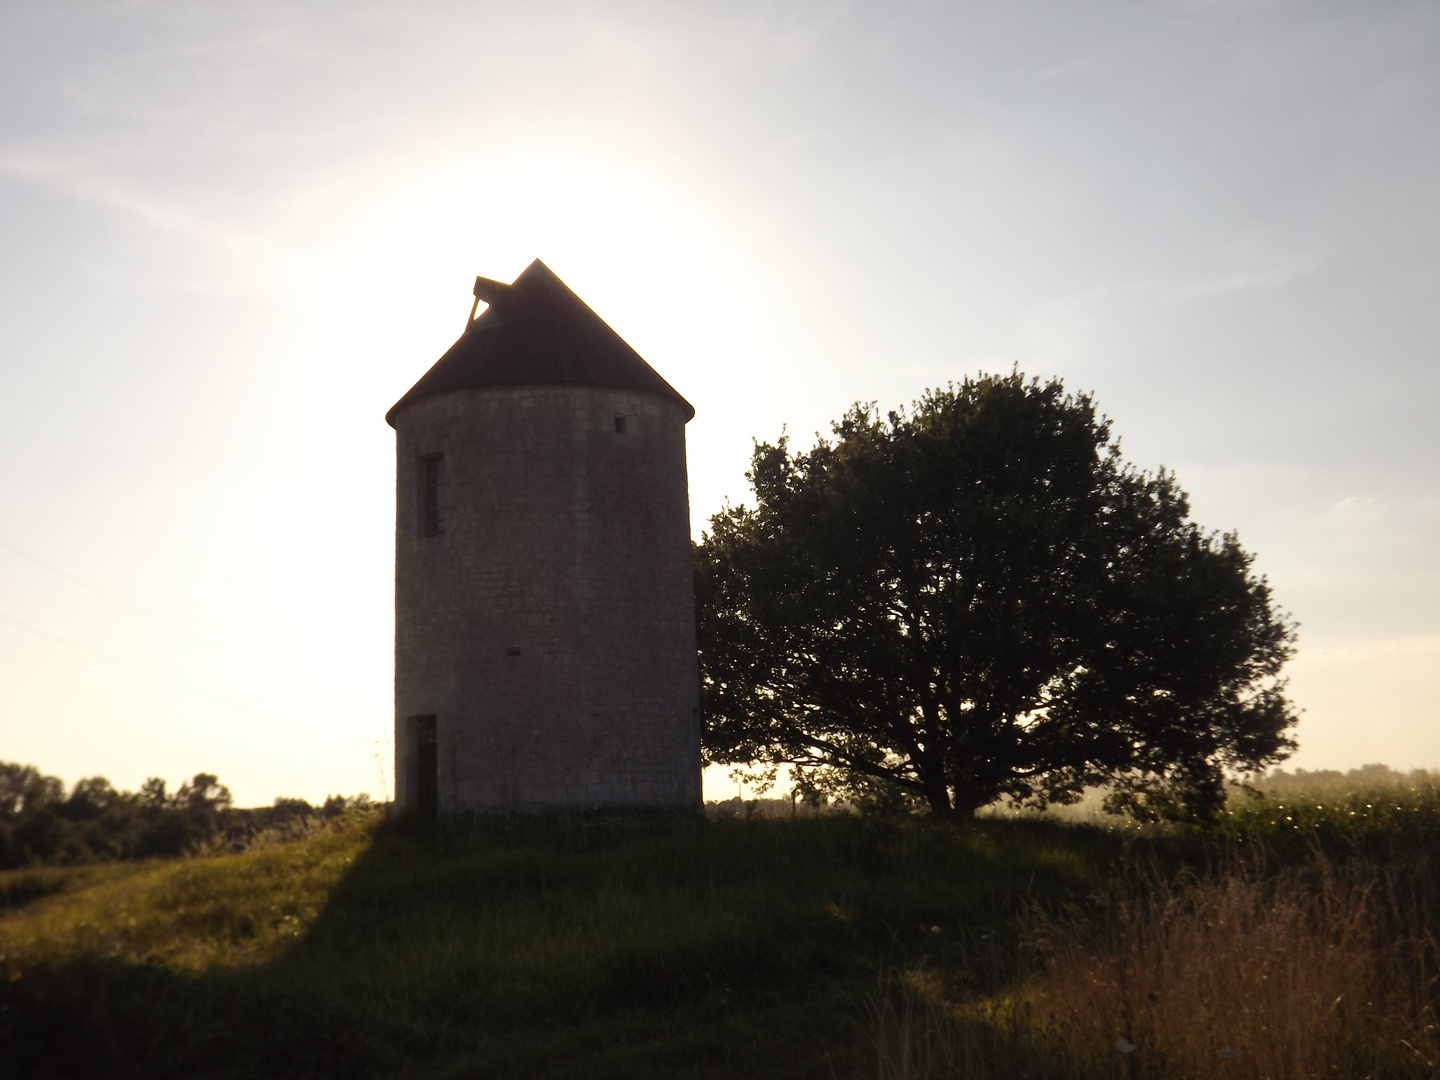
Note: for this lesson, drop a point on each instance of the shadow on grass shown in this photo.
(679, 949)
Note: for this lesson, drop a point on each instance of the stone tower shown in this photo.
(544, 606)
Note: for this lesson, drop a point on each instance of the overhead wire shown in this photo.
(41, 632)
(228, 650)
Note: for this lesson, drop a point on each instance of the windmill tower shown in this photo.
(544, 607)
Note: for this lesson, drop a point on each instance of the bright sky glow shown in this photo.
(231, 236)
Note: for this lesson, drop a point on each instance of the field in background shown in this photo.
(750, 945)
(1276, 787)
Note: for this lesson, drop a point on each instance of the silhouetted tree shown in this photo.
(153, 793)
(39, 823)
(89, 799)
(23, 788)
(203, 798)
(978, 599)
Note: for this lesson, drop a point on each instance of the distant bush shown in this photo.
(40, 824)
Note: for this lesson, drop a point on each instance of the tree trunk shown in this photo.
(967, 801)
(939, 807)
(937, 794)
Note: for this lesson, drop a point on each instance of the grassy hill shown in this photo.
(722, 948)
(821, 946)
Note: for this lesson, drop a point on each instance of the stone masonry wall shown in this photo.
(550, 627)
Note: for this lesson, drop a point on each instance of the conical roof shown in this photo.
(535, 330)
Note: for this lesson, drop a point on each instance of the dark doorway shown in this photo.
(425, 777)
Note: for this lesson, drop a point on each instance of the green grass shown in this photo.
(687, 949)
(811, 947)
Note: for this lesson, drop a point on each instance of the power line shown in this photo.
(41, 632)
(228, 650)
(97, 589)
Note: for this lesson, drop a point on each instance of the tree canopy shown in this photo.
(40, 824)
(978, 599)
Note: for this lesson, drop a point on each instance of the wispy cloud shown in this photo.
(79, 180)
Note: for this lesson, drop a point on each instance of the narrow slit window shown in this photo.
(425, 770)
(432, 494)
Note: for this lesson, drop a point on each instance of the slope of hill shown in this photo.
(689, 949)
(825, 946)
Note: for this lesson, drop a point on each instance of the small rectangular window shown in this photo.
(620, 425)
(432, 494)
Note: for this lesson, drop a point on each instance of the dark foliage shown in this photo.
(40, 824)
(979, 599)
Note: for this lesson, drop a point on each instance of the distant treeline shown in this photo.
(1280, 782)
(40, 823)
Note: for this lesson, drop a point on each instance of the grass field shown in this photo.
(826, 946)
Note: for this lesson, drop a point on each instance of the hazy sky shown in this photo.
(232, 235)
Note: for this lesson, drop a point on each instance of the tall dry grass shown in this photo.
(1264, 976)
